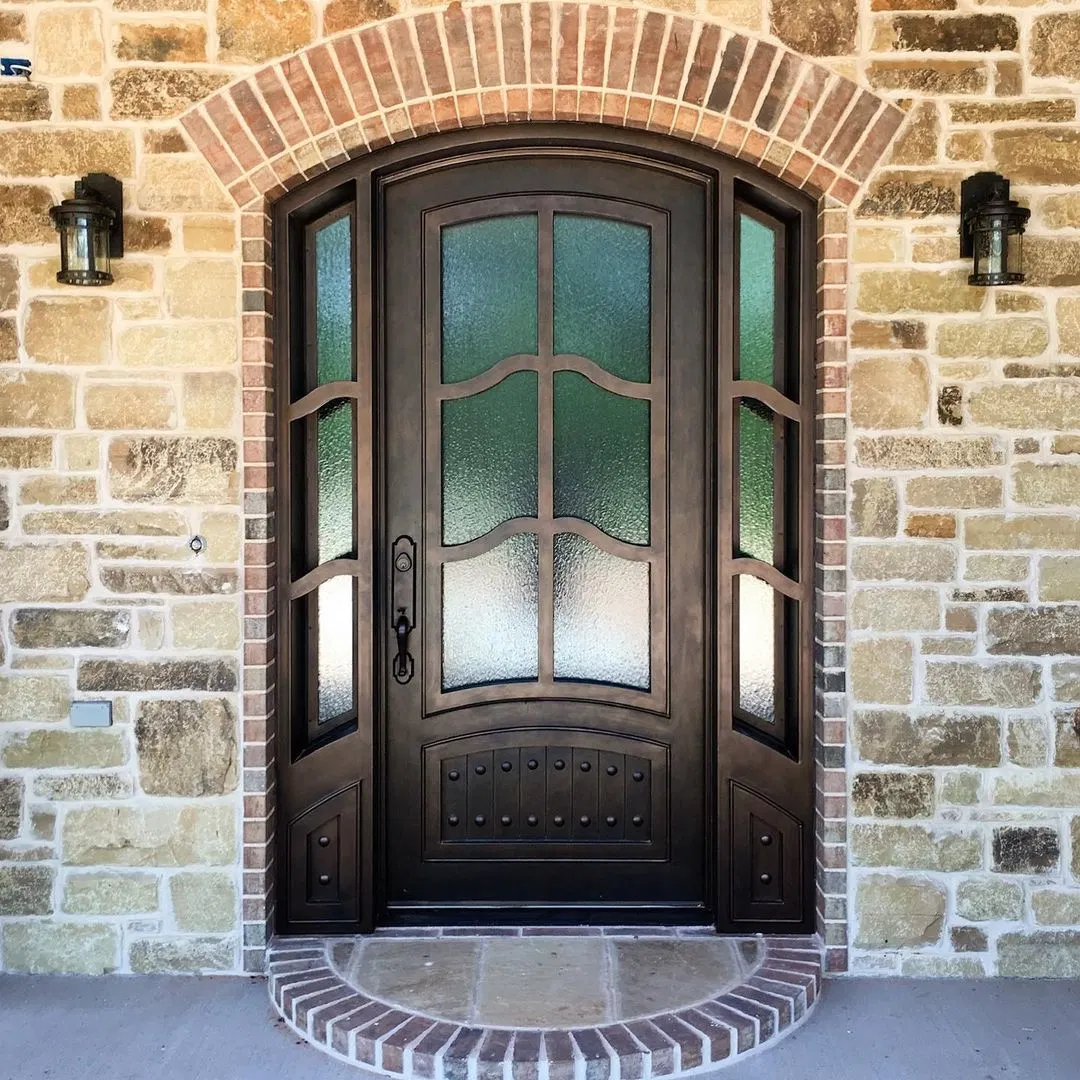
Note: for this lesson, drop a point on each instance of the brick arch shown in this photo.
(462, 67)
(444, 70)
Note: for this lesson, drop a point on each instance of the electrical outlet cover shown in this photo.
(91, 714)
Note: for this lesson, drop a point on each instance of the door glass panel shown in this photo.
(757, 652)
(489, 613)
(601, 457)
(488, 293)
(489, 458)
(333, 301)
(601, 615)
(335, 664)
(602, 293)
(757, 300)
(756, 480)
(334, 430)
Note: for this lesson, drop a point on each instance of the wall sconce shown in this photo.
(91, 228)
(992, 230)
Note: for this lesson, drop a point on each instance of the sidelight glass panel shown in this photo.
(333, 301)
(336, 654)
(757, 649)
(488, 293)
(602, 293)
(601, 452)
(601, 615)
(334, 433)
(489, 615)
(757, 300)
(756, 481)
(489, 458)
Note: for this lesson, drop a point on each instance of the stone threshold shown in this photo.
(320, 987)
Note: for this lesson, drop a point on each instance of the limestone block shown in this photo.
(888, 609)
(1045, 954)
(165, 837)
(913, 452)
(1054, 908)
(986, 899)
(1036, 484)
(954, 492)
(217, 234)
(23, 102)
(1046, 403)
(1019, 850)
(182, 42)
(1055, 45)
(918, 141)
(963, 146)
(113, 407)
(946, 33)
(187, 747)
(921, 291)
(1039, 631)
(894, 912)
(345, 14)
(895, 738)
(893, 795)
(1028, 742)
(1067, 742)
(199, 345)
(11, 793)
(179, 470)
(888, 334)
(60, 151)
(146, 233)
(141, 93)
(916, 847)
(204, 903)
(60, 948)
(80, 102)
(889, 392)
(70, 628)
(873, 507)
(881, 671)
(816, 27)
(202, 288)
(1066, 682)
(33, 698)
(105, 523)
(36, 399)
(929, 966)
(208, 625)
(904, 562)
(184, 183)
(63, 749)
(209, 400)
(83, 787)
(80, 452)
(110, 894)
(24, 215)
(140, 676)
(1001, 685)
(9, 283)
(26, 890)
(960, 787)
(58, 490)
(995, 531)
(992, 338)
(120, 579)
(1074, 831)
(1068, 323)
(68, 41)
(166, 956)
(909, 194)
(877, 244)
(1026, 789)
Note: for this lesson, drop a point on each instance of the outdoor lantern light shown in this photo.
(992, 230)
(91, 228)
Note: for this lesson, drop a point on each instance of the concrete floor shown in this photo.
(160, 1028)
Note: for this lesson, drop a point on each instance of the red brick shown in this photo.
(615, 108)
(726, 77)
(457, 38)
(378, 62)
(492, 105)
(566, 104)
(307, 97)
(621, 56)
(393, 1047)
(590, 106)
(852, 129)
(405, 59)
(421, 117)
(648, 53)
(213, 149)
(844, 189)
(356, 79)
(876, 142)
(757, 71)
(281, 108)
(802, 105)
(256, 119)
(637, 112)
(569, 23)
(663, 117)
(686, 121)
(779, 89)
(540, 48)
(688, 1040)
(732, 136)
(322, 68)
(513, 45)
(753, 148)
(517, 104)
(596, 41)
(446, 115)
(828, 118)
(674, 63)
(697, 81)
(431, 56)
(233, 134)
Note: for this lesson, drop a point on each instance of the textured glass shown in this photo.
(336, 620)
(488, 293)
(490, 615)
(756, 486)
(335, 516)
(602, 293)
(601, 615)
(333, 301)
(757, 658)
(757, 300)
(489, 458)
(601, 458)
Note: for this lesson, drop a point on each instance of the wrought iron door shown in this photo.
(546, 566)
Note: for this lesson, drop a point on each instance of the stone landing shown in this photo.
(542, 1004)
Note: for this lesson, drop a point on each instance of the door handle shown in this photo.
(403, 605)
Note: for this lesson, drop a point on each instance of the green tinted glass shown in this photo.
(602, 293)
(489, 458)
(333, 301)
(336, 656)
(488, 293)
(757, 655)
(335, 499)
(601, 458)
(756, 483)
(601, 615)
(757, 300)
(490, 615)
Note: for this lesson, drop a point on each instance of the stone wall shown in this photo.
(952, 791)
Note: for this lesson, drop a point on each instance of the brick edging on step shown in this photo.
(336, 1017)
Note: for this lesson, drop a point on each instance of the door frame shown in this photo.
(433, 152)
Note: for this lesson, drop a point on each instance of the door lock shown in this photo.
(403, 606)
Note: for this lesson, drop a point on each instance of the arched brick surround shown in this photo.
(462, 67)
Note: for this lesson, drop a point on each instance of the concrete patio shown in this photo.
(54, 1028)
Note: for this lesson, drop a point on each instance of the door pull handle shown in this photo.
(403, 606)
(403, 662)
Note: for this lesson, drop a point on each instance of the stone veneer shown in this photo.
(140, 414)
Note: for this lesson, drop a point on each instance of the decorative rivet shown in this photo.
(585, 819)
(323, 841)
(480, 770)
(480, 819)
(611, 770)
(610, 819)
(765, 879)
(638, 819)
(531, 819)
(638, 774)
(766, 840)
(454, 774)
(453, 819)
(585, 766)
(506, 766)
(324, 879)
(532, 763)
(197, 544)
(560, 764)
(505, 819)
(558, 819)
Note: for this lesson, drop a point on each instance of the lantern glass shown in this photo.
(998, 251)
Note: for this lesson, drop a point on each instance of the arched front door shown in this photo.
(545, 570)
